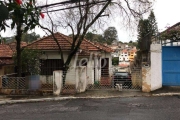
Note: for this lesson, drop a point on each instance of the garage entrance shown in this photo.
(171, 65)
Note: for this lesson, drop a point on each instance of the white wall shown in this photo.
(57, 85)
(152, 75)
(46, 79)
(156, 66)
(90, 65)
(71, 76)
(81, 81)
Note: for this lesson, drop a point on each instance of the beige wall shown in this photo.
(6, 70)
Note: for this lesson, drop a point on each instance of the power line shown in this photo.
(74, 6)
(65, 2)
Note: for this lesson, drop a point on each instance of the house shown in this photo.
(6, 61)
(96, 57)
(124, 58)
(132, 54)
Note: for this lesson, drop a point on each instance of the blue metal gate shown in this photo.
(171, 65)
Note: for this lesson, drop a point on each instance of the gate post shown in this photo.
(57, 82)
(156, 66)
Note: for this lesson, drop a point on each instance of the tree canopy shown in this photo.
(147, 28)
(110, 35)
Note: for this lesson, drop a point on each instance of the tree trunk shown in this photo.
(18, 49)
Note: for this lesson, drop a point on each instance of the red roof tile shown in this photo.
(47, 43)
(13, 45)
(5, 51)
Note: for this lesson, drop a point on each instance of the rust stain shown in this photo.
(144, 72)
(146, 87)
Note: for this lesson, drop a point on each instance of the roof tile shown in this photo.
(5, 51)
(47, 43)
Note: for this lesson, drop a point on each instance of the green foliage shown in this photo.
(24, 16)
(95, 37)
(115, 61)
(147, 28)
(171, 34)
(110, 34)
(133, 44)
(153, 29)
(28, 38)
(30, 61)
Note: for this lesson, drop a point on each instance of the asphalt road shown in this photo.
(134, 108)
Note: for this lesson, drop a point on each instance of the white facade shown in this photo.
(93, 65)
(124, 56)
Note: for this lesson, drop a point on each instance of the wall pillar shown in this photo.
(57, 81)
(146, 79)
(156, 66)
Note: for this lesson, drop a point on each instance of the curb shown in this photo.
(165, 94)
(34, 100)
(3, 102)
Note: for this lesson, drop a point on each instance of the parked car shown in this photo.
(123, 78)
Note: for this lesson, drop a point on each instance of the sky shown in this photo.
(166, 13)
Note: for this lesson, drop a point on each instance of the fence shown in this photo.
(130, 82)
(14, 83)
(26, 85)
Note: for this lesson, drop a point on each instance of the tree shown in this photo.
(147, 29)
(132, 44)
(22, 15)
(110, 34)
(80, 16)
(30, 61)
(30, 37)
(115, 61)
(95, 37)
(153, 28)
(143, 34)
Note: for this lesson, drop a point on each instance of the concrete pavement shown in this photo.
(165, 91)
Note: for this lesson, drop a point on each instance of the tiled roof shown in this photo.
(47, 43)
(123, 65)
(13, 45)
(5, 51)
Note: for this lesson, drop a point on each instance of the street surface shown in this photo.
(132, 108)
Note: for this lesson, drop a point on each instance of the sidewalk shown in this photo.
(165, 91)
(95, 94)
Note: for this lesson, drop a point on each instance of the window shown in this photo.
(50, 65)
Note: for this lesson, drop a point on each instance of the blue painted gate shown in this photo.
(171, 65)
